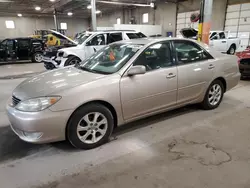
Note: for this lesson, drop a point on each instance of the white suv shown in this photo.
(87, 44)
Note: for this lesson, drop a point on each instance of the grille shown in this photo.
(15, 101)
(245, 61)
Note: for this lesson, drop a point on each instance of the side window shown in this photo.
(23, 44)
(156, 56)
(189, 52)
(97, 40)
(10, 45)
(222, 35)
(214, 36)
(113, 37)
(3, 44)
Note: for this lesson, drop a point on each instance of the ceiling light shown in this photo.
(37, 8)
(152, 5)
(19, 15)
(98, 12)
(52, 0)
(89, 7)
(70, 13)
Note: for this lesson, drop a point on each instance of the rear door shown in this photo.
(3, 50)
(23, 49)
(195, 70)
(11, 49)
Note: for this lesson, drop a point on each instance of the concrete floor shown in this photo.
(187, 148)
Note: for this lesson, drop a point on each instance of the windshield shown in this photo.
(110, 59)
(81, 38)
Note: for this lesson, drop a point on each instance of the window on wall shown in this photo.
(10, 24)
(118, 20)
(64, 26)
(145, 18)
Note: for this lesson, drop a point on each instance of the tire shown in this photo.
(37, 57)
(207, 103)
(231, 50)
(80, 133)
(72, 60)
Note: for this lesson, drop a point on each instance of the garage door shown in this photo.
(183, 21)
(238, 23)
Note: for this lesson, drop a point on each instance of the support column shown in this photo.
(205, 20)
(55, 20)
(93, 14)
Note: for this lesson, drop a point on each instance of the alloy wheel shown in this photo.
(92, 127)
(38, 57)
(74, 62)
(215, 94)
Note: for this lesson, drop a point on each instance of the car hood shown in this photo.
(244, 54)
(61, 36)
(52, 82)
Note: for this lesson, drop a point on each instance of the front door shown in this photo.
(95, 44)
(23, 49)
(194, 70)
(11, 50)
(154, 90)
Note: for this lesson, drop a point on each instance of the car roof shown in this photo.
(109, 31)
(20, 38)
(145, 41)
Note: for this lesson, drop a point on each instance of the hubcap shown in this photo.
(215, 94)
(92, 127)
(38, 57)
(232, 51)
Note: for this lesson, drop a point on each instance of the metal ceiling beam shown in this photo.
(124, 3)
(57, 6)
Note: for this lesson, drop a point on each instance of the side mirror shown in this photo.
(138, 69)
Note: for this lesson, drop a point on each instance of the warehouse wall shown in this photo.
(25, 26)
(165, 15)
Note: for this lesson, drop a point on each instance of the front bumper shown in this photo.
(54, 62)
(39, 127)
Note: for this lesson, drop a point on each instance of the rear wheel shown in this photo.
(213, 95)
(37, 57)
(231, 50)
(90, 126)
(72, 60)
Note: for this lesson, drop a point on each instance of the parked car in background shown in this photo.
(244, 62)
(220, 40)
(122, 82)
(16, 49)
(87, 44)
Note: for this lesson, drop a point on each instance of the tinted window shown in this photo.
(155, 57)
(23, 43)
(135, 35)
(10, 44)
(213, 36)
(113, 37)
(97, 40)
(188, 52)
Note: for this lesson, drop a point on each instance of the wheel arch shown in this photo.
(102, 102)
(223, 80)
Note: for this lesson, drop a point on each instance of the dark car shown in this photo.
(17, 49)
(244, 62)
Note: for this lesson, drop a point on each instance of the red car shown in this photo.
(244, 62)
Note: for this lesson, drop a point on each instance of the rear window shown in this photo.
(135, 35)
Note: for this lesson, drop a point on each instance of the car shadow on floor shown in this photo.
(12, 147)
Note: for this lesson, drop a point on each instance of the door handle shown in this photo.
(170, 75)
(211, 66)
(223, 41)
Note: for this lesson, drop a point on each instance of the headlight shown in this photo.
(37, 104)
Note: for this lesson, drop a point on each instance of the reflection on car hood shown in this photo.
(53, 81)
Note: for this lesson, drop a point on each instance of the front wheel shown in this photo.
(72, 60)
(90, 126)
(213, 95)
(37, 57)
